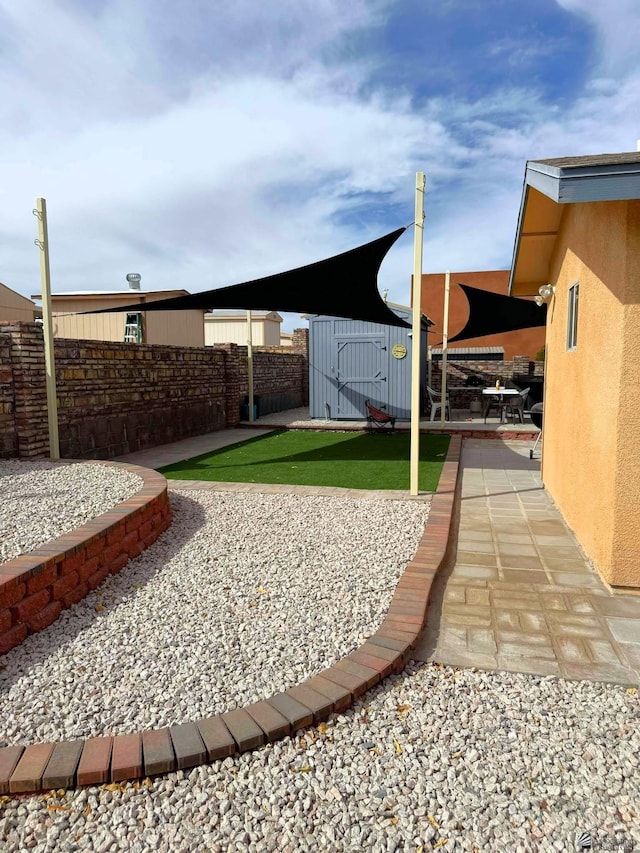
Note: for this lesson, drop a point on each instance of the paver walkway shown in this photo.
(521, 596)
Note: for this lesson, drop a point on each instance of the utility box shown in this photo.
(351, 361)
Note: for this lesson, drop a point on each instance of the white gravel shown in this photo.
(432, 759)
(41, 500)
(244, 596)
(247, 594)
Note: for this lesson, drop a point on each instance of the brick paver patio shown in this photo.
(521, 596)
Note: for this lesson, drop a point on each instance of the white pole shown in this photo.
(42, 242)
(250, 365)
(445, 336)
(417, 334)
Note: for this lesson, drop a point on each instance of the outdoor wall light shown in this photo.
(544, 294)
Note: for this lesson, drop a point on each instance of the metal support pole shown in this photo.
(445, 337)
(42, 242)
(250, 365)
(416, 300)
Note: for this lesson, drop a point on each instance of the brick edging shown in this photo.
(99, 760)
(36, 587)
(462, 432)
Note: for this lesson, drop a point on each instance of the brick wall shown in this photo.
(8, 438)
(280, 378)
(116, 398)
(521, 371)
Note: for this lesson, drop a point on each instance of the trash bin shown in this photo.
(244, 408)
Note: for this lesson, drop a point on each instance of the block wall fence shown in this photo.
(520, 369)
(117, 398)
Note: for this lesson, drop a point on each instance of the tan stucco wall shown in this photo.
(591, 453)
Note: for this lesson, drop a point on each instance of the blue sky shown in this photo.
(203, 143)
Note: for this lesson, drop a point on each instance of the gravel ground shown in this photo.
(41, 500)
(245, 595)
(432, 759)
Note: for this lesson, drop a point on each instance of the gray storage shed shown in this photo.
(351, 361)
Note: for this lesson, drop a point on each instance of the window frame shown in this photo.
(573, 305)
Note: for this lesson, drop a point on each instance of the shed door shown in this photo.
(361, 374)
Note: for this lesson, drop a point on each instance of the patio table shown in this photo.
(501, 394)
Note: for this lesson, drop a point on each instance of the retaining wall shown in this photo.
(36, 587)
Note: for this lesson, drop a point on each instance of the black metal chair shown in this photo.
(515, 405)
(493, 402)
(377, 419)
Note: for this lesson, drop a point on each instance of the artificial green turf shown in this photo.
(310, 458)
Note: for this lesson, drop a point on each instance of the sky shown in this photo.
(203, 143)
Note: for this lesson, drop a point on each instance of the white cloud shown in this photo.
(202, 149)
(617, 27)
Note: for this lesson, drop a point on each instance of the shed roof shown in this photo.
(233, 314)
(15, 297)
(551, 183)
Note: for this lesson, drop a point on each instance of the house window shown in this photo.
(572, 318)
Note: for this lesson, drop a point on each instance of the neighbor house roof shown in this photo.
(551, 183)
(108, 294)
(233, 314)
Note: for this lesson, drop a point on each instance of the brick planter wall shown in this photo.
(36, 587)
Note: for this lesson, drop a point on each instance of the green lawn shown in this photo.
(310, 458)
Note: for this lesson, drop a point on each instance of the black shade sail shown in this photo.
(492, 313)
(342, 286)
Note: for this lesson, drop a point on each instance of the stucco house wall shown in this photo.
(591, 456)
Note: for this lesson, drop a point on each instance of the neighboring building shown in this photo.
(527, 342)
(178, 328)
(579, 231)
(14, 307)
(230, 327)
(286, 339)
(351, 361)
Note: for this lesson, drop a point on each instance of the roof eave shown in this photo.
(574, 185)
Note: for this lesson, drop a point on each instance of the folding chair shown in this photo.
(377, 419)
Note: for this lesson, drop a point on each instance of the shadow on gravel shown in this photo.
(188, 518)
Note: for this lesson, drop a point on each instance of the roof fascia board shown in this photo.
(575, 184)
(545, 179)
(518, 237)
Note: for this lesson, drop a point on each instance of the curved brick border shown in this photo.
(128, 757)
(36, 587)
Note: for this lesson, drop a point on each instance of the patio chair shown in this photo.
(515, 405)
(496, 402)
(379, 420)
(435, 403)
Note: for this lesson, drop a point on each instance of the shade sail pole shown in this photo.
(250, 364)
(42, 242)
(416, 339)
(445, 337)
